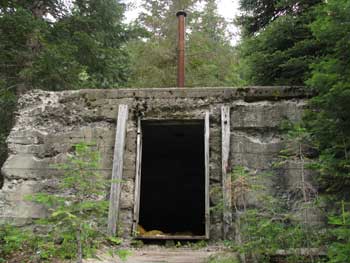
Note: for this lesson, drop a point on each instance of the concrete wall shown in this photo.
(49, 123)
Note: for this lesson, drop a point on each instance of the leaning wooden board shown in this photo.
(226, 177)
(117, 170)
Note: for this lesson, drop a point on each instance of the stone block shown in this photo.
(292, 173)
(254, 151)
(216, 231)
(125, 222)
(126, 200)
(309, 214)
(15, 208)
(24, 137)
(27, 166)
(265, 114)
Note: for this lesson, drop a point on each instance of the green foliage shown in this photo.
(77, 215)
(298, 42)
(23, 245)
(88, 41)
(44, 45)
(241, 187)
(328, 120)
(7, 106)
(339, 249)
(279, 47)
(269, 225)
(12, 240)
(123, 254)
(115, 240)
(17, 26)
(210, 58)
(222, 259)
(257, 15)
(84, 49)
(265, 232)
(54, 8)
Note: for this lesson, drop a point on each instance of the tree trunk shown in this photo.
(79, 246)
(238, 235)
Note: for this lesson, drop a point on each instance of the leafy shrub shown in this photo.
(123, 254)
(13, 240)
(78, 214)
(263, 230)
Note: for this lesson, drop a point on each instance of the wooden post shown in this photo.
(206, 157)
(138, 176)
(226, 178)
(117, 170)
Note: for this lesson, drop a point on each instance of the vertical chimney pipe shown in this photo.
(181, 49)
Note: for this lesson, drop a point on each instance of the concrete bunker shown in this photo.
(236, 126)
(173, 185)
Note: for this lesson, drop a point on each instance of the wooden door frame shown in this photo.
(138, 181)
(137, 177)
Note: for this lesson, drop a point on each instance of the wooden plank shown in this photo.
(138, 176)
(117, 170)
(226, 178)
(163, 254)
(165, 237)
(206, 160)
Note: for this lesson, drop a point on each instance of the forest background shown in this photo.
(49, 45)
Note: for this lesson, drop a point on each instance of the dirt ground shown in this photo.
(159, 254)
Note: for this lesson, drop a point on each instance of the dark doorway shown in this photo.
(173, 177)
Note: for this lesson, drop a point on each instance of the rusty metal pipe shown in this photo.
(181, 49)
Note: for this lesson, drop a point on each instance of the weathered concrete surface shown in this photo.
(153, 254)
(170, 257)
(48, 124)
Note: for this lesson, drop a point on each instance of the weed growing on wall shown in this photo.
(264, 230)
(255, 227)
(266, 225)
(77, 217)
(302, 194)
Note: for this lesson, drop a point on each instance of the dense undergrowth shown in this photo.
(289, 42)
(76, 224)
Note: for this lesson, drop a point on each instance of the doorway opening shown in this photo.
(173, 184)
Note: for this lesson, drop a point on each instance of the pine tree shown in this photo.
(257, 15)
(78, 216)
(308, 43)
(210, 59)
(329, 121)
(278, 46)
(85, 48)
(44, 45)
(153, 59)
(22, 25)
